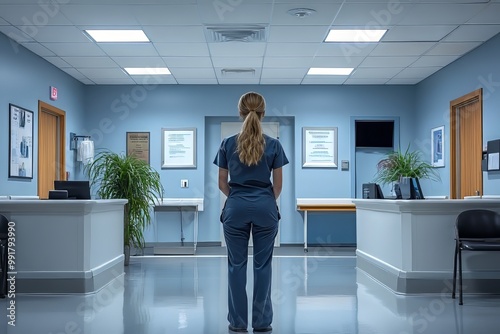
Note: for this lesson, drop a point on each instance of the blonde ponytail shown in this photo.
(250, 140)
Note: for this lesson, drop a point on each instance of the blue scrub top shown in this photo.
(256, 179)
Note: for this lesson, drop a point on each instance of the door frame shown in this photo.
(476, 95)
(61, 117)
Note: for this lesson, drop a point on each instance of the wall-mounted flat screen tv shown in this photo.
(374, 133)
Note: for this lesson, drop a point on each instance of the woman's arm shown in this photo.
(277, 181)
(223, 181)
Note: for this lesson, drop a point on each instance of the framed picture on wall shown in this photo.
(178, 148)
(437, 146)
(319, 147)
(138, 145)
(20, 142)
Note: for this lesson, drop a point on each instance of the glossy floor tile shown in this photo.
(313, 293)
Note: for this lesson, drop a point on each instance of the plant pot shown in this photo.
(405, 187)
(126, 252)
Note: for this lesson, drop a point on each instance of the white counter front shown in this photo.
(408, 245)
(66, 246)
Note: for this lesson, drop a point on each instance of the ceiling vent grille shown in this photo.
(251, 33)
(238, 72)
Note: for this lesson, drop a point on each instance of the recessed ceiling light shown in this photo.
(147, 70)
(117, 35)
(301, 12)
(355, 35)
(329, 71)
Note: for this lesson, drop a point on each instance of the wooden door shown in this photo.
(51, 147)
(466, 145)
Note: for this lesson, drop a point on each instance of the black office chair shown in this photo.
(4, 231)
(475, 230)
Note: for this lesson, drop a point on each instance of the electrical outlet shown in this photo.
(184, 183)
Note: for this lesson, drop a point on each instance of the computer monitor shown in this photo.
(373, 191)
(416, 190)
(76, 189)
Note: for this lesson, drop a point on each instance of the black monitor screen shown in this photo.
(374, 133)
(76, 189)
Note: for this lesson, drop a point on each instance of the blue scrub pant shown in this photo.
(242, 216)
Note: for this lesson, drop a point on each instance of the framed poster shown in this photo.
(20, 142)
(437, 146)
(138, 144)
(178, 148)
(319, 147)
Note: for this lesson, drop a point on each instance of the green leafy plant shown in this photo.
(400, 164)
(127, 177)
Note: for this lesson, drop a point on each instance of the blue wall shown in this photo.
(25, 79)
(108, 112)
(478, 69)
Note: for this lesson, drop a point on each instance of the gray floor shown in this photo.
(318, 292)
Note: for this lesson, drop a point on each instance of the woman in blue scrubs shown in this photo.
(246, 163)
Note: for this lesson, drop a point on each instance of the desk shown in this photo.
(323, 205)
(408, 245)
(177, 204)
(66, 246)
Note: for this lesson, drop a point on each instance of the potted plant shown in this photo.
(401, 165)
(127, 177)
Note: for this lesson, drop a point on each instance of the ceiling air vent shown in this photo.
(250, 33)
(238, 72)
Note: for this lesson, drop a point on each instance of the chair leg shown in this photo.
(461, 302)
(454, 273)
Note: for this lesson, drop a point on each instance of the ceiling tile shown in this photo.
(489, 15)
(103, 73)
(234, 12)
(169, 34)
(15, 34)
(432, 61)
(237, 62)
(154, 79)
(90, 61)
(182, 49)
(60, 34)
(33, 15)
(287, 62)
(473, 33)
(366, 81)
(205, 81)
(283, 73)
(202, 73)
(129, 49)
(74, 49)
(291, 49)
(237, 49)
(408, 81)
(417, 33)
(288, 81)
(113, 81)
(439, 13)
(56, 61)
(75, 73)
(336, 61)
(38, 49)
(377, 14)
(416, 72)
(3, 22)
(139, 61)
(188, 61)
(294, 34)
(100, 15)
(373, 73)
(235, 81)
(324, 15)
(388, 61)
(324, 80)
(452, 49)
(401, 49)
(346, 49)
(184, 14)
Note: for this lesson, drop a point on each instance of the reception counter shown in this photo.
(66, 246)
(408, 245)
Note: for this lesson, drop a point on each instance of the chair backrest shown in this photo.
(4, 227)
(478, 223)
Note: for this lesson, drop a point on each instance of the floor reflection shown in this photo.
(188, 294)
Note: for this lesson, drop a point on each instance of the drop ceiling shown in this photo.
(422, 37)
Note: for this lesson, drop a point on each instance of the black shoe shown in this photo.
(237, 330)
(263, 330)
